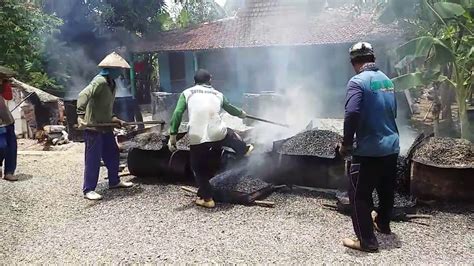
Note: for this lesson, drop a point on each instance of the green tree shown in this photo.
(24, 29)
(189, 13)
(443, 40)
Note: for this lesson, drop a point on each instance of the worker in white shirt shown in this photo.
(206, 130)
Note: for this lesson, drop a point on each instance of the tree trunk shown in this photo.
(446, 102)
(436, 110)
(466, 132)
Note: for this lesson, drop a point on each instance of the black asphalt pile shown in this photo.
(149, 141)
(183, 143)
(238, 186)
(401, 202)
(155, 141)
(244, 184)
(403, 175)
(448, 152)
(320, 143)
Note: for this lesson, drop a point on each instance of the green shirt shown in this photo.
(96, 101)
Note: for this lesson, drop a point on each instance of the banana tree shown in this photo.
(450, 47)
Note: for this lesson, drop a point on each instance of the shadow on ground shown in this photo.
(23, 177)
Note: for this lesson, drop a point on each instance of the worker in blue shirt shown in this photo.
(370, 114)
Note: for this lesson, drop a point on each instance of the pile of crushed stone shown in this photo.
(447, 152)
(155, 141)
(149, 141)
(245, 184)
(320, 143)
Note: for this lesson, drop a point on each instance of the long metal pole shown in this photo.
(266, 121)
(111, 124)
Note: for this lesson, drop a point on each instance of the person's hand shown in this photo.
(81, 124)
(243, 115)
(120, 123)
(345, 151)
(172, 143)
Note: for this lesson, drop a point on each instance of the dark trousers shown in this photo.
(201, 153)
(367, 174)
(100, 145)
(9, 153)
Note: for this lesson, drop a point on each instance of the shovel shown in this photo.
(266, 121)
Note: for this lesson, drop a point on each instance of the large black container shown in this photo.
(170, 166)
(161, 164)
(311, 171)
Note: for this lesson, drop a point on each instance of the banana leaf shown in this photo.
(429, 47)
(449, 10)
(408, 81)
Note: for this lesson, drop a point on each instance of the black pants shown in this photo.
(367, 174)
(201, 155)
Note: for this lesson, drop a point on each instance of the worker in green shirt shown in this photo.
(95, 105)
(206, 130)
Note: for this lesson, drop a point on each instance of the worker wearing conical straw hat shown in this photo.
(95, 106)
(8, 142)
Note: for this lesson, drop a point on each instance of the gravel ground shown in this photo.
(44, 219)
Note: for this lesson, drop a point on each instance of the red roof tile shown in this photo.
(270, 24)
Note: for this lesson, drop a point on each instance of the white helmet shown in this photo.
(361, 49)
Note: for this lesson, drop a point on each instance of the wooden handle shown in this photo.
(419, 216)
(263, 203)
(188, 189)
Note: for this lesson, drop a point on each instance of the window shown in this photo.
(177, 66)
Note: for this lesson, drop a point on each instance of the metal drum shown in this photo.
(432, 182)
(311, 171)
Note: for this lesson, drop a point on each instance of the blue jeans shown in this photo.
(100, 145)
(9, 153)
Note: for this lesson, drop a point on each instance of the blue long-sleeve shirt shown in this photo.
(370, 114)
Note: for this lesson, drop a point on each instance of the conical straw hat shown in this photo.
(114, 60)
(6, 72)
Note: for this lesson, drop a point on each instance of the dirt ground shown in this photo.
(44, 219)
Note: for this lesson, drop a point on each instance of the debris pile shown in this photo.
(448, 152)
(400, 201)
(149, 141)
(183, 143)
(320, 143)
(155, 141)
(245, 184)
(239, 186)
(403, 175)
